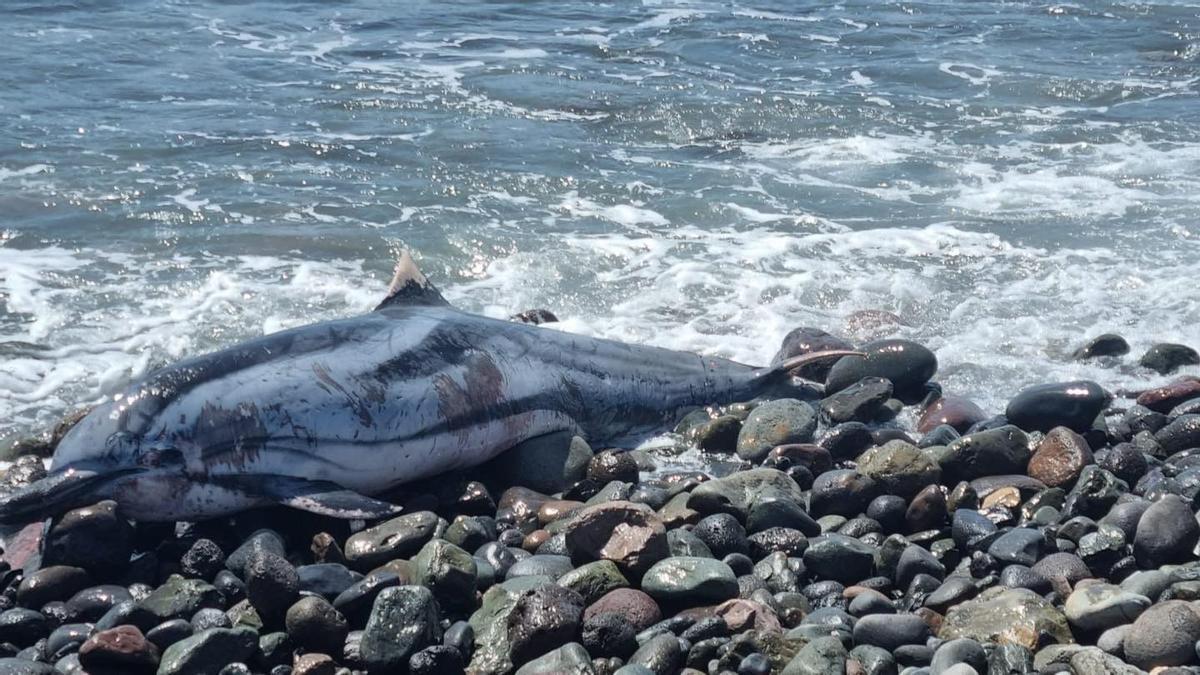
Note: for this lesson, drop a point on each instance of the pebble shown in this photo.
(773, 423)
(1166, 533)
(840, 558)
(992, 452)
(1059, 458)
(1100, 606)
(94, 537)
(272, 585)
(890, 631)
(1003, 615)
(688, 582)
(1042, 407)
(543, 618)
(1163, 635)
(314, 624)
(403, 620)
(899, 468)
(638, 608)
(1165, 358)
(1108, 344)
(209, 652)
(860, 402)
(55, 582)
(626, 533)
(122, 649)
(906, 364)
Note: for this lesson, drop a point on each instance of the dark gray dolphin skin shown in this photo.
(322, 416)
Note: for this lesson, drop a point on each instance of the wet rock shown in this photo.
(403, 620)
(722, 534)
(660, 656)
(1060, 457)
(890, 631)
(180, 598)
(1099, 606)
(906, 364)
(840, 558)
(819, 657)
(326, 579)
(355, 602)
(927, 511)
(593, 580)
(955, 412)
(23, 627)
(1000, 451)
(843, 492)
(1125, 462)
(399, 537)
(202, 560)
(263, 540)
(1108, 344)
(56, 582)
(1067, 567)
(739, 493)
(1042, 407)
(690, 582)
(553, 566)
(1163, 635)
(492, 655)
(1181, 433)
(209, 652)
(543, 618)
(860, 402)
(95, 538)
(1006, 616)
(570, 659)
(169, 632)
(1165, 398)
(718, 434)
(448, 571)
(315, 625)
(629, 534)
(119, 650)
(608, 634)
(1166, 533)
(638, 608)
(272, 585)
(899, 468)
(1020, 546)
(609, 465)
(1165, 358)
(773, 423)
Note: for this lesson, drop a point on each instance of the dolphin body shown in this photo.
(322, 416)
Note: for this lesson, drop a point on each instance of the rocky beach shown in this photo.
(886, 527)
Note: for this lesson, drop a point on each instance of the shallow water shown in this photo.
(1008, 177)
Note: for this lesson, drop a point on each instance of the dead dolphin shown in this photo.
(320, 417)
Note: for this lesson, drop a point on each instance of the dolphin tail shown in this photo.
(794, 365)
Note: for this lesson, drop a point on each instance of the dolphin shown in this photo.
(328, 416)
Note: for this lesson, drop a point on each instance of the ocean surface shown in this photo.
(1008, 178)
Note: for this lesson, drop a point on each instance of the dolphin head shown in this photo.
(100, 458)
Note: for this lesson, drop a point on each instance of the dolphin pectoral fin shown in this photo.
(323, 497)
(410, 286)
(794, 364)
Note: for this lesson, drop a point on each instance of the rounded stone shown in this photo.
(1059, 458)
(1042, 407)
(906, 364)
(1108, 344)
(636, 606)
(1164, 635)
(315, 625)
(773, 423)
(722, 534)
(689, 582)
(1166, 533)
(890, 631)
(1166, 357)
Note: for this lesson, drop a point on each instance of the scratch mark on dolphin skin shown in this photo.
(360, 407)
(479, 399)
(237, 434)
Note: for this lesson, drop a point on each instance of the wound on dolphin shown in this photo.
(325, 417)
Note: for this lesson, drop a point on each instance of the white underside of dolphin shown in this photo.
(321, 417)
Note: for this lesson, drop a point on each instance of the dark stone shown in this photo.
(92, 603)
(841, 558)
(722, 534)
(272, 585)
(210, 617)
(544, 618)
(1182, 433)
(399, 537)
(95, 538)
(208, 653)
(891, 631)
(1125, 462)
(860, 402)
(1108, 344)
(956, 413)
(847, 441)
(263, 540)
(1042, 407)
(203, 560)
(843, 492)
(905, 363)
(169, 632)
(316, 626)
(609, 465)
(1004, 450)
(57, 582)
(1166, 533)
(1163, 635)
(386, 649)
(355, 602)
(1165, 358)
(326, 579)
(806, 340)
(608, 634)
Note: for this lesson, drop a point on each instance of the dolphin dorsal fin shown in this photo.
(410, 287)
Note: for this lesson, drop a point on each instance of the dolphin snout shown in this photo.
(60, 491)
